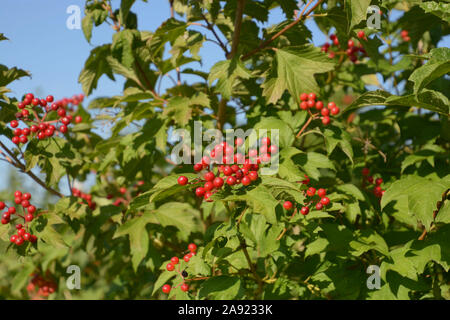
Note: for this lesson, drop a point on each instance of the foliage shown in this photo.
(401, 132)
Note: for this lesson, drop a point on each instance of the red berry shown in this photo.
(239, 142)
(361, 34)
(325, 201)
(209, 186)
(310, 104)
(2, 205)
(304, 97)
(227, 171)
(23, 139)
(14, 124)
(304, 105)
(319, 105)
(334, 111)
(186, 258)
(200, 191)
(321, 192)
(351, 43)
(182, 180)
(404, 33)
(311, 191)
(29, 217)
(325, 112)
(365, 171)
(184, 287)
(192, 247)
(4, 221)
(170, 267)
(304, 211)
(65, 120)
(231, 180)
(246, 180)
(379, 181)
(49, 98)
(319, 206)
(123, 190)
(33, 238)
(78, 119)
(25, 203)
(27, 236)
(218, 182)
(13, 238)
(273, 149)
(19, 226)
(34, 128)
(198, 167)
(265, 141)
(15, 140)
(21, 232)
(31, 209)
(63, 129)
(175, 260)
(18, 132)
(209, 176)
(326, 120)
(35, 101)
(11, 210)
(287, 205)
(252, 153)
(166, 288)
(331, 105)
(332, 37)
(26, 131)
(19, 241)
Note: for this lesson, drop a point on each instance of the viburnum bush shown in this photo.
(356, 123)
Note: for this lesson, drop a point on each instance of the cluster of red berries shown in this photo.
(22, 199)
(319, 202)
(309, 102)
(352, 51)
(86, 197)
(44, 286)
(244, 171)
(370, 181)
(31, 114)
(174, 265)
(405, 35)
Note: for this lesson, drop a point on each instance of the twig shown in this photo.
(221, 113)
(19, 165)
(210, 27)
(281, 32)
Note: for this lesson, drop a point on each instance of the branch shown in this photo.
(210, 27)
(23, 169)
(278, 34)
(221, 113)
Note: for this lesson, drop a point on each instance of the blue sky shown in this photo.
(41, 43)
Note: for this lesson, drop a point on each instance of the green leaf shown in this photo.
(139, 238)
(438, 8)
(95, 66)
(227, 73)
(358, 11)
(433, 69)
(179, 215)
(294, 69)
(415, 188)
(87, 24)
(221, 288)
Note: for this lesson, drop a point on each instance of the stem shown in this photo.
(252, 267)
(439, 205)
(221, 113)
(210, 27)
(311, 118)
(16, 163)
(289, 26)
